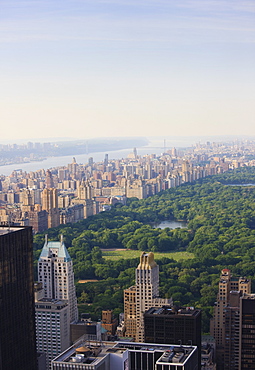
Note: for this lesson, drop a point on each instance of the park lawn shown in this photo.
(128, 254)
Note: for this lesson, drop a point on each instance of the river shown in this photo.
(155, 146)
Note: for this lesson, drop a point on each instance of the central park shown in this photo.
(220, 233)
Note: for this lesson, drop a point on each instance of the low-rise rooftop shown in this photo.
(92, 353)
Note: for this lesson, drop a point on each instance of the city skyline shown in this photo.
(107, 68)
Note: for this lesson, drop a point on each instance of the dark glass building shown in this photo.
(168, 325)
(247, 335)
(17, 328)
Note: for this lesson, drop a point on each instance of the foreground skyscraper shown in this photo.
(144, 295)
(55, 272)
(55, 299)
(17, 328)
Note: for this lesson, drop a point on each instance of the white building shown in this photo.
(52, 325)
(55, 272)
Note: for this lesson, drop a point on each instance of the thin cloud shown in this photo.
(58, 22)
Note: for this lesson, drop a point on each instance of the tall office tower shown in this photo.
(50, 204)
(49, 180)
(144, 295)
(223, 315)
(106, 160)
(169, 325)
(247, 332)
(17, 328)
(135, 153)
(91, 161)
(55, 272)
(52, 325)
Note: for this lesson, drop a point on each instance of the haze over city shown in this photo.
(127, 68)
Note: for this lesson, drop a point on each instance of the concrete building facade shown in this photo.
(52, 325)
(144, 295)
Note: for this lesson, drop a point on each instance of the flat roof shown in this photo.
(163, 311)
(171, 354)
(9, 229)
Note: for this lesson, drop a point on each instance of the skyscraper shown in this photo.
(171, 325)
(50, 204)
(55, 272)
(52, 325)
(17, 328)
(49, 180)
(144, 295)
(225, 325)
(247, 332)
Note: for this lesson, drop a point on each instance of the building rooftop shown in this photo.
(55, 249)
(248, 296)
(93, 352)
(9, 229)
(51, 304)
(184, 311)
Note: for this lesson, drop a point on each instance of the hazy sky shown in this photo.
(88, 68)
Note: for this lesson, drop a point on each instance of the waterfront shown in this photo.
(155, 146)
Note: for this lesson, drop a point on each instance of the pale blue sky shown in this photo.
(87, 68)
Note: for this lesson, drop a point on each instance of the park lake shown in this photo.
(172, 224)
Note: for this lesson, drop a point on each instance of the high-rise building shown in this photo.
(52, 325)
(72, 168)
(171, 325)
(225, 324)
(144, 295)
(17, 328)
(50, 204)
(247, 332)
(106, 160)
(55, 272)
(49, 180)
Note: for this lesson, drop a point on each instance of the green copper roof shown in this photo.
(62, 251)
